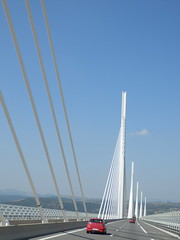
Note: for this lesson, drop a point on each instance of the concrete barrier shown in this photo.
(23, 232)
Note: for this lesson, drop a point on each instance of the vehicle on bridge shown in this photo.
(132, 220)
(96, 225)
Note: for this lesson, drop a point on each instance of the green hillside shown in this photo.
(52, 203)
(92, 205)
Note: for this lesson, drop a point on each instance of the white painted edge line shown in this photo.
(61, 234)
(142, 228)
(172, 234)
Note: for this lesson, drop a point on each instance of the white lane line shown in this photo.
(123, 225)
(172, 234)
(117, 221)
(61, 234)
(142, 228)
(112, 222)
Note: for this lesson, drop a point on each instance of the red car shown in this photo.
(132, 220)
(96, 225)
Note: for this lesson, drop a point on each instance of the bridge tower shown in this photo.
(137, 200)
(140, 211)
(113, 203)
(122, 167)
(144, 207)
(131, 196)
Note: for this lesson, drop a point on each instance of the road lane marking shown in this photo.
(61, 234)
(142, 228)
(172, 234)
(117, 221)
(66, 233)
(123, 225)
(112, 222)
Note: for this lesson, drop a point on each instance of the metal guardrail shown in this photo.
(169, 221)
(14, 212)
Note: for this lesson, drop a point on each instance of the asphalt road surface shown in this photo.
(120, 230)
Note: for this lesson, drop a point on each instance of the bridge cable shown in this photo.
(50, 102)
(114, 198)
(41, 211)
(109, 183)
(33, 105)
(63, 102)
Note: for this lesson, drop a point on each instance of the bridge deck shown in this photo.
(120, 230)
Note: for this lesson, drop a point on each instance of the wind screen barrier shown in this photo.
(168, 221)
(13, 212)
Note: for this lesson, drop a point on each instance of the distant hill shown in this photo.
(52, 203)
(92, 205)
(14, 197)
(49, 201)
(14, 192)
(161, 207)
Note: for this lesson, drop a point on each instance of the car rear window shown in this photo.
(96, 220)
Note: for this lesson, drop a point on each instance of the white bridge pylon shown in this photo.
(113, 205)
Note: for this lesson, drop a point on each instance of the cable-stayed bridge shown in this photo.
(114, 205)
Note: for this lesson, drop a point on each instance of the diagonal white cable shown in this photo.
(114, 197)
(51, 103)
(33, 104)
(111, 171)
(108, 197)
(109, 200)
(103, 202)
(111, 188)
(44, 220)
(63, 103)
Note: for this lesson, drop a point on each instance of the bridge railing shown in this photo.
(169, 221)
(15, 212)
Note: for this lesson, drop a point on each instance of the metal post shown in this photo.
(3, 220)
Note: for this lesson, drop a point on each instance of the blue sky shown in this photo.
(102, 47)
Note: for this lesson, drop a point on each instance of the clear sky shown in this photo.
(103, 47)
